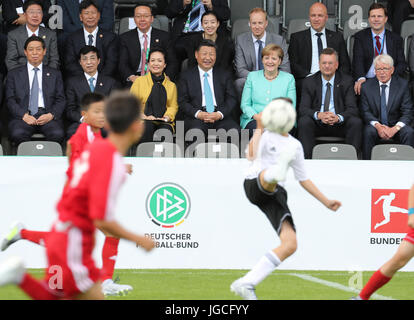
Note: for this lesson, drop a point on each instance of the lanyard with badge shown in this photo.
(379, 50)
(146, 60)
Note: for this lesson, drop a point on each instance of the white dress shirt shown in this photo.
(30, 32)
(210, 83)
(94, 34)
(95, 78)
(256, 48)
(141, 42)
(315, 50)
(31, 73)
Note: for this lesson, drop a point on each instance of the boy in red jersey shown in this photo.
(403, 255)
(87, 203)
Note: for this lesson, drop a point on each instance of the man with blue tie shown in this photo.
(386, 106)
(206, 95)
(35, 97)
(90, 81)
(328, 105)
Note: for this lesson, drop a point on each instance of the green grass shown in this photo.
(171, 284)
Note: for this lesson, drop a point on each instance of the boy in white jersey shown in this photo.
(271, 154)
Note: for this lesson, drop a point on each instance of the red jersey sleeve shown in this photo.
(107, 174)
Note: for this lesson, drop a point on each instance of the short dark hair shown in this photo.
(158, 49)
(330, 51)
(89, 98)
(375, 6)
(27, 4)
(122, 109)
(209, 13)
(86, 4)
(206, 43)
(34, 38)
(86, 49)
(143, 5)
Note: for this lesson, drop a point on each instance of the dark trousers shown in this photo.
(371, 138)
(71, 129)
(151, 127)
(309, 129)
(226, 124)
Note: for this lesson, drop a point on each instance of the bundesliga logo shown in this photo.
(389, 213)
(168, 205)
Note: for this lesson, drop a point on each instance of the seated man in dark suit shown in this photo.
(387, 107)
(15, 56)
(206, 95)
(14, 16)
(136, 44)
(35, 97)
(372, 42)
(306, 46)
(72, 22)
(332, 112)
(90, 81)
(91, 34)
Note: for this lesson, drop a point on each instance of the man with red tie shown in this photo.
(372, 42)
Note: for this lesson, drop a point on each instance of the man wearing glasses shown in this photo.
(386, 106)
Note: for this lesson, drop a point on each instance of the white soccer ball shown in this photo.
(279, 116)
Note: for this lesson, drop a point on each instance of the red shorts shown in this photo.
(410, 236)
(71, 268)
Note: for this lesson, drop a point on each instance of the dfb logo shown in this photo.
(389, 212)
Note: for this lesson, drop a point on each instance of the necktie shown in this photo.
(34, 94)
(193, 20)
(259, 55)
(208, 95)
(144, 55)
(384, 117)
(320, 46)
(91, 80)
(327, 98)
(378, 48)
(90, 42)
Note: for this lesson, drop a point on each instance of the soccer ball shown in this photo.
(279, 116)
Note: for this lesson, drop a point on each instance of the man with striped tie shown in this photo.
(206, 95)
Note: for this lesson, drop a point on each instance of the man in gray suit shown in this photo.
(15, 56)
(250, 44)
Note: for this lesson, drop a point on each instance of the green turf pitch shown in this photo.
(172, 284)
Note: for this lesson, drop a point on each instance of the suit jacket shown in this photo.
(411, 57)
(399, 106)
(106, 43)
(245, 57)
(78, 86)
(71, 21)
(176, 10)
(225, 50)
(18, 92)
(15, 56)
(190, 94)
(364, 52)
(344, 96)
(300, 52)
(10, 14)
(130, 51)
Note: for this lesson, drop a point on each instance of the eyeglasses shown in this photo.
(382, 69)
(144, 16)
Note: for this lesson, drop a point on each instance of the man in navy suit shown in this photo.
(374, 41)
(195, 106)
(90, 81)
(91, 34)
(72, 22)
(132, 62)
(386, 106)
(35, 97)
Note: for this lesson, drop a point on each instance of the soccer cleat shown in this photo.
(356, 298)
(110, 288)
(12, 271)
(244, 290)
(12, 236)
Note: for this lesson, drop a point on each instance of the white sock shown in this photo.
(262, 269)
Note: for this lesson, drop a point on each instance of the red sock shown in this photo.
(109, 253)
(35, 289)
(34, 236)
(376, 281)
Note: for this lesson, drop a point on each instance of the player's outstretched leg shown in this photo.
(17, 231)
(109, 256)
(381, 277)
(245, 286)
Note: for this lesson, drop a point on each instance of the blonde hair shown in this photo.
(273, 48)
(258, 10)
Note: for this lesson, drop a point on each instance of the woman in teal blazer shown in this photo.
(263, 86)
